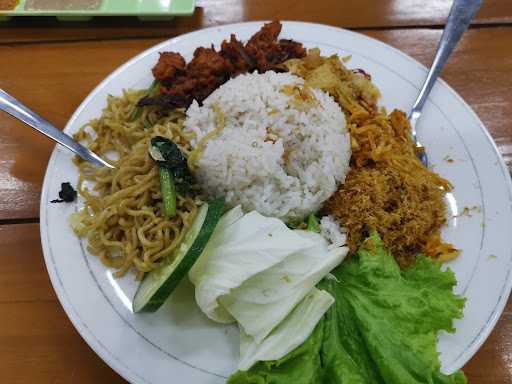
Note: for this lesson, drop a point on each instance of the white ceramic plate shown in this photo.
(178, 344)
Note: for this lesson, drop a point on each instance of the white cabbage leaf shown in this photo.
(265, 299)
(260, 273)
(240, 247)
(289, 334)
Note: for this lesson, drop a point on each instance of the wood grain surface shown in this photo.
(52, 66)
(356, 14)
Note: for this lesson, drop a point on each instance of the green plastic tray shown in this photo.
(144, 9)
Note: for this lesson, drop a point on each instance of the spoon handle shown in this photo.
(461, 14)
(16, 109)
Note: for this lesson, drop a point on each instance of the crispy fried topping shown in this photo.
(406, 210)
(388, 189)
(209, 69)
(169, 64)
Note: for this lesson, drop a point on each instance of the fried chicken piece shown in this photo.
(234, 51)
(263, 47)
(291, 49)
(166, 101)
(208, 69)
(208, 62)
(178, 94)
(267, 52)
(266, 35)
(169, 64)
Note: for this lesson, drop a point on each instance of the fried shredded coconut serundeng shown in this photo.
(388, 188)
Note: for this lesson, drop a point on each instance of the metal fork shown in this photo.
(18, 110)
(459, 19)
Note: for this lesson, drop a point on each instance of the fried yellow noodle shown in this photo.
(388, 189)
(123, 216)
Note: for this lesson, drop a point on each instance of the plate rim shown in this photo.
(95, 344)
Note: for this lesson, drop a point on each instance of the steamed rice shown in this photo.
(281, 150)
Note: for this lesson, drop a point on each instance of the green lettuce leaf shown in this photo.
(382, 328)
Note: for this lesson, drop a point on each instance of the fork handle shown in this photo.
(18, 110)
(461, 14)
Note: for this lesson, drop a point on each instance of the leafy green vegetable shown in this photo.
(67, 194)
(147, 122)
(313, 224)
(296, 224)
(174, 173)
(137, 112)
(382, 328)
(167, 155)
(168, 192)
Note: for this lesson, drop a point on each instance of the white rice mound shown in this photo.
(273, 156)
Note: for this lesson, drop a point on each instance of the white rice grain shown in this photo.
(274, 155)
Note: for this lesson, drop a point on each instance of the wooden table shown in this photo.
(53, 66)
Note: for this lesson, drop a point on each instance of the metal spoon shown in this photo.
(16, 109)
(461, 14)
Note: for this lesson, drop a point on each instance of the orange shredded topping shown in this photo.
(388, 189)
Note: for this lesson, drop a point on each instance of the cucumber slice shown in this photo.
(161, 282)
